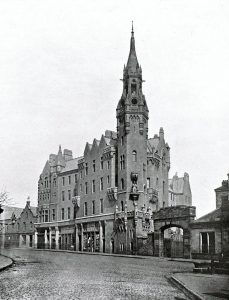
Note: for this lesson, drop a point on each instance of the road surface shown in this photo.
(61, 275)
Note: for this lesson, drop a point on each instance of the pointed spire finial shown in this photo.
(60, 151)
(132, 63)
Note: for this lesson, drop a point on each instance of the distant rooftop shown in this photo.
(9, 210)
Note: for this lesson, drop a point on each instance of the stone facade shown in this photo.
(57, 187)
(180, 191)
(210, 233)
(19, 230)
(116, 187)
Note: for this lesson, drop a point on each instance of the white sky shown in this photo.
(60, 65)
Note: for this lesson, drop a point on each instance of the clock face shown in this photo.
(134, 101)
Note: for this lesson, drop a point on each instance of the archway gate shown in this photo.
(174, 216)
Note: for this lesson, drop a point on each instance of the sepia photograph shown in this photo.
(114, 149)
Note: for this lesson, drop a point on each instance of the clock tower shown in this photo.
(132, 129)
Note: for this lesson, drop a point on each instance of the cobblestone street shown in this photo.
(57, 275)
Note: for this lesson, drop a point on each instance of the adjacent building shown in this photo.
(180, 191)
(210, 233)
(17, 226)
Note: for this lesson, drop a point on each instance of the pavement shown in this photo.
(202, 286)
(5, 262)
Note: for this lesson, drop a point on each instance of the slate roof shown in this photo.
(34, 210)
(210, 217)
(9, 210)
(71, 164)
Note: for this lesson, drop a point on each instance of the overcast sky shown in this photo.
(60, 65)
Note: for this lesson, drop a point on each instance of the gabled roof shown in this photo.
(210, 217)
(9, 210)
(34, 210)
(153, 142)
(46, 168)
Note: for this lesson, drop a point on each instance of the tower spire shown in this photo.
(132, 63)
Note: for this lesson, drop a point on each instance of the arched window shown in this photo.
(134, 154)
(122, 184)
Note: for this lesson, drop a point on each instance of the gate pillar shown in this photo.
(158, 243)
(187, 243)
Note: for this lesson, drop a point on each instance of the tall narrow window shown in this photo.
(134, 154)
(63, 196)
(69, 194)
(108, 164)
(122, 184)
(122, 206)
(93, 207)
(85, 208)
(54, 215)
(93, 186)
(69, 213)
(122, 162)
(46, 215)
(62, 213)
(101, 184)
(69, 179)
(93, 166)
(63, 181)
(101, 206)
(207, 242)
(86, 169)
(108, 180)
(101, 163)
(86, 188)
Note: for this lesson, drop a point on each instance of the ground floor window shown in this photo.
(207, 242)
(91, 242)
(46, 215)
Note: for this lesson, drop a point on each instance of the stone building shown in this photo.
(57, 187)
(180, 191)
(17, 226)
(210, 233)
(116, 187)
